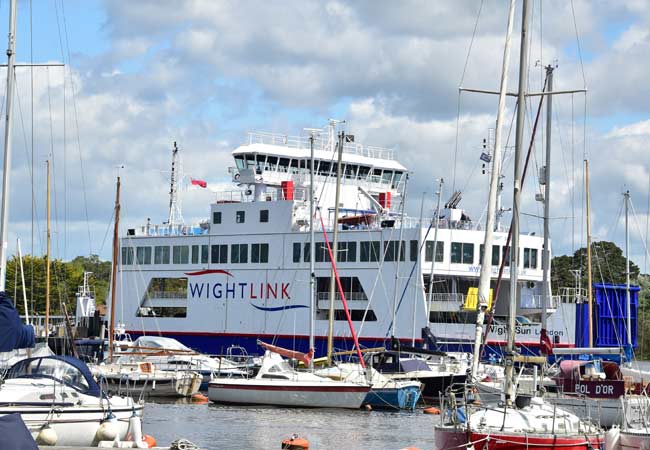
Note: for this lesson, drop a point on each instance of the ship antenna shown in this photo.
(175, 215)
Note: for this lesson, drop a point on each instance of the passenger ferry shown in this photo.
(243, 273)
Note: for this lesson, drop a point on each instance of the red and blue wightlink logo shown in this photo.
(233, 290)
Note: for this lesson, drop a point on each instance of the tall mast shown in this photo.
(628, 303)
(589, 287)
(47, 258)
(546, 250)
(174, 208)
(516, 203)
(6, 168)
(312, 275)
(495, 177)
(399, 256)
(427, 310)
(116, 243)
(330, 331)
(418, 281)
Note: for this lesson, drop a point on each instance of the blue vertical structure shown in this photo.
(610, 317)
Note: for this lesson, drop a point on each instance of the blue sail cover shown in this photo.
(13, 333)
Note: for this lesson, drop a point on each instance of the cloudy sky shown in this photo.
(141, 75)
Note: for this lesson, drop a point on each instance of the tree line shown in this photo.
(65, 279)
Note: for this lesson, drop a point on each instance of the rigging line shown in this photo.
(638, 226)
(647, 224)
(462, 79)
(575, 27)
(31, 74)
(76, 123)
(28, 153)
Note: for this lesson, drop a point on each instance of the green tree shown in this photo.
(607, 265)
(65, 278)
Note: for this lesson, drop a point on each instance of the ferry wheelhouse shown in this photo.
(243, 274)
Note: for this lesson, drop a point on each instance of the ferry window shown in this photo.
(369, 251)
(204, 254)
(530, 258)
(376, 176)
(166, 288)
(127, 255)
(195, 254)
(181, 254)
(413, 250)
(347, 252)
(392, 250)
(363, 172)
(264, 215)
(240, 216)
(324, 168)
(387, 176)
(216, 217)
(271, 163)
(322, 254)
(239, 160)
(143, 255)
(357, 315)
(351, 171)
(250, 160)
(259, 253)
(284, 165)
(161, 254)
(296, 252)
(462, 253)
(294, 165)
(506, 255)
(220, 254)
(440, 251)
(396, 180)
(239, 253)
(495, 254)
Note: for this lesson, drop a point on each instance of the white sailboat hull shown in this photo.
(301, 394)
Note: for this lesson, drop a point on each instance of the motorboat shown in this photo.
(61, 404)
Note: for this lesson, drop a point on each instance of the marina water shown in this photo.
(213, 427)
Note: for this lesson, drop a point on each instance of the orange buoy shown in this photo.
(199, 398)
(295, 443)
(410, 448)
(431, 410)
(149, 440)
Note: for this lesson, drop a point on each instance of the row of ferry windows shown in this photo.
(197, 254)
(240, 216)
(325, 168)
(370, 251)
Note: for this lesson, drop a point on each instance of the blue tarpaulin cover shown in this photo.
(13, 333)
(14, 434)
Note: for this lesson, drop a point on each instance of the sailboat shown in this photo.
(277, 382)
(517, 422)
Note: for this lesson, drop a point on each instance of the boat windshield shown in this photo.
(55, 369)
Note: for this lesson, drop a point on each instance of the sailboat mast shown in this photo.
(6, 168)
(111, 329)
(47, 258)
(312, 260)
(435, 248)
(546, 250)
(516, 203)
(486, 262)
(628, 302)
(399, 256)
(330, 331)
(589, 287)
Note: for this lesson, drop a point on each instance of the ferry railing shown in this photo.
(351, 296)
(302, 142)
(537, 302)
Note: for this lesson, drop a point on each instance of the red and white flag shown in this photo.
(200, 183)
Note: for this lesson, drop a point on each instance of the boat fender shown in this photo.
(199, 398)
(107, 430)
(150, 440)
(431, 410)
(295, 443)
(612, 438)
(47, 436)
